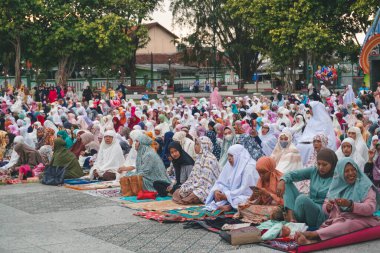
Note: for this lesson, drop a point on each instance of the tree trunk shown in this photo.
(61, 74)
(17, 46)
(132, 69)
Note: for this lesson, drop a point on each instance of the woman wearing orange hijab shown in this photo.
(264, 204)
(265, 191)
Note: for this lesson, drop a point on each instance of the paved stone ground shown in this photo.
(38, 218)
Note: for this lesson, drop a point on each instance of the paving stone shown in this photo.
(53, 201)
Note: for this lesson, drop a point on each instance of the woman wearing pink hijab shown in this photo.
(247, 128)
(215, 98)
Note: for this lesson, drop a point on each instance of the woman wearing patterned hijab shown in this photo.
(320, 141)
(205, 172)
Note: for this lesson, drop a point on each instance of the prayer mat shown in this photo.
(155, 205)
(160, 217)
(94, 186)
(133, 199)
(198, 213)
(107, 193)
(360, 236)
(78, 181)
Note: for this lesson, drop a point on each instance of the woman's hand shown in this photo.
(371, 155)
(343, 202)
(280, 188)
(329, 205)
(219, 196)
(169, 188)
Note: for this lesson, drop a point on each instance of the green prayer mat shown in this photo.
(197, 212)
(134, 199)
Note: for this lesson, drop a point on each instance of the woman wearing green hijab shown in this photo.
(350, 204)
(149, 164)
(63, 157)
(65, 136)
(303, 208)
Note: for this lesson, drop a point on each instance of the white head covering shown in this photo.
(360, 145)
(110, 156)
(235, 180)
(349, 96)
(354, 154)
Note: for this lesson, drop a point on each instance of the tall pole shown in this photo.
(208, 74)
(151, 69)
(214, 37)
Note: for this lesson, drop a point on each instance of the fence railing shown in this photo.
(180, 83)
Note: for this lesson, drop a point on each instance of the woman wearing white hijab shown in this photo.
(233, 185)
(110, 158)
(130, 161)
(285, 154)
(360, 145)
(14, 156)
(348, 149)
(320, 122)
(268, 139)
(349, 96)
(186, 144)
(298, 128)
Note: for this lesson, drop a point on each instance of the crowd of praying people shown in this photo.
(310, 158)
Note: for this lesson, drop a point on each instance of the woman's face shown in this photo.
(284, 138)
(374, 142)
(350, 174)
(324, 167)
(352, 135)
(174, 153)
(264, 174)
(155, 146)
(317, 144)
(227, 131)
(7, 139)
(137, 145)
(231, 159)
(346, 149)
(264, 130)
(40, 134)
(197, 147)
(108, 139)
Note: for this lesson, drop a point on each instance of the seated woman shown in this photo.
(65, 136)
(229, 139)
(303, 208)
(182, 164)
(233, 185)
(285, 154)
(149, 164)
(62, 157)
(27, 156)
(264, 203)
(205, 172)
(265, 191)
(350, 204)
(186, 144)
(109, 159)
(348, 149)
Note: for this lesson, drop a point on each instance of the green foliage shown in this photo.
(318, 28)
(234, 34)
(68, 33)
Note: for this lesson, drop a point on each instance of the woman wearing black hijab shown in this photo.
(182, 164)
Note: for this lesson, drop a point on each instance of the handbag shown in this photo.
(125, 187)
(54, 175)
(131, 185)
(241, 236)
